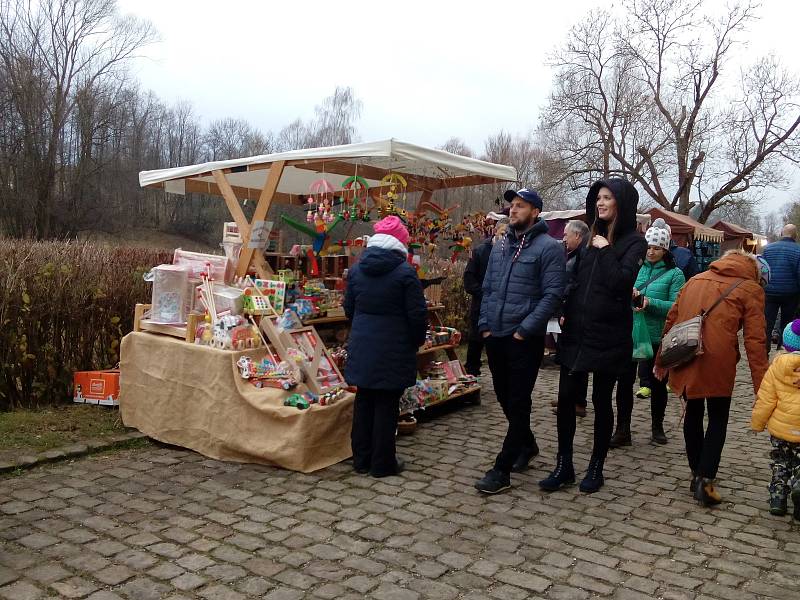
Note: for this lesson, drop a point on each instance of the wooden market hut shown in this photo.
(737, 237)
(288, 177)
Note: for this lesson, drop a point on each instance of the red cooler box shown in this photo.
(96, 387)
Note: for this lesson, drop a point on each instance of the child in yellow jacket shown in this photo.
(778, 409)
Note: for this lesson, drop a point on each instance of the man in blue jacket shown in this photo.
(521, 291)
(783, 290)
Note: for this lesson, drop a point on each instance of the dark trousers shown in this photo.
(514, 365)
(375, 414)
(658, 392)
(602, 390)
(474, 351)
(704, 450)
(788, 307)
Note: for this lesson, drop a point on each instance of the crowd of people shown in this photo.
(613, 294)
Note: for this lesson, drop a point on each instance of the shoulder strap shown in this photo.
(724, 295)
(652, 279)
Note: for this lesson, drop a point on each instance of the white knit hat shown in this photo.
(659, 234)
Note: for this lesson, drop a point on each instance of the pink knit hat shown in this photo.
(393, 226)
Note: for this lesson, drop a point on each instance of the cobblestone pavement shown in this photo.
(165, 523)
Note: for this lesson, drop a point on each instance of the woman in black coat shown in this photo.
(598, 320)
(384, 301)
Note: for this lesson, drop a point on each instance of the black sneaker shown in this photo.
(524, 458)
(400, 466)
(493, 482)
(777, 505)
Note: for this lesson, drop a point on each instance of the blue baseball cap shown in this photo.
(529, 196)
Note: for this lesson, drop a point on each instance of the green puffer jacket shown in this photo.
(660, 294)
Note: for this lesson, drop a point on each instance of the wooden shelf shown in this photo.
(461, 394)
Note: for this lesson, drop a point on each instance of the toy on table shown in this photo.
(320, 238)
(297, 401)
(266, 373)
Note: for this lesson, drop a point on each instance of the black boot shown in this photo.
(705, 493)
(622, 436)
(658, 436)
(521, 464)
(796, 501)
(594, 476)
(777, 505)
(563, 474)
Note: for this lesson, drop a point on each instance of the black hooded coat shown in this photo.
(598, 315)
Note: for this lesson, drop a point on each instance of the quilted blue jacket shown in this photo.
(522, 291)
(783, 258)
(389, 318)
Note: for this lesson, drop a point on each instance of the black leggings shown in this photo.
(375, 415)
(602, 390)
(705, 450)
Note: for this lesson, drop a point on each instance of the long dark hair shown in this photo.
(600, 227)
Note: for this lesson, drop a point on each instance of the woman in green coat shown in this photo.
(654, 293)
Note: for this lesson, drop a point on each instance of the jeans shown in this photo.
(514, 365)
(658, 392)
(705, 450)
(375, 415)
(788, 307)
(602, 390)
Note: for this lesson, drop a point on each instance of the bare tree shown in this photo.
(645, 98)
(49, 50)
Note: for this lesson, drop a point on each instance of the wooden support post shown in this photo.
(232, 202)
(262, 208)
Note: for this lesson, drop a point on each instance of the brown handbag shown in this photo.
(684, 341)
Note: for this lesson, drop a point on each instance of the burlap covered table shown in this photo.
(193, 396)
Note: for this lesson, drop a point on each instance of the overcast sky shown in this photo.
(425, 71)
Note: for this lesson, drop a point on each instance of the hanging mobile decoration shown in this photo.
(357, 207)
(389, 200)
(323, 208)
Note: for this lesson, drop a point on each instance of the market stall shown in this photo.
(227, 360)
(739, 238)
(704, 241)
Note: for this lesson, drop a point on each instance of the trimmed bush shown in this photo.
(64, 307)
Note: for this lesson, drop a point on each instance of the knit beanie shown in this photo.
(393, 226)
(659, 234)
(791, 336)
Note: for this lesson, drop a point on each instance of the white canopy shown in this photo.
(423, 168)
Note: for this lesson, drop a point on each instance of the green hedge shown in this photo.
(64, 307)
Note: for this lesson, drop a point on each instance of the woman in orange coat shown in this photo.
(707, 381)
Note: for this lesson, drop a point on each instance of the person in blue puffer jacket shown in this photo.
(783, 291)
(522, 289)
(389, 320)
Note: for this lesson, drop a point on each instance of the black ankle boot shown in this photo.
(563, 474)
(622, 436)
(594, 476)
(659, 437)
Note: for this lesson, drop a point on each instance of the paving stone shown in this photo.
(188, 581)
(75, 587)
(47, 573)
(195, 562)
(21, 590)
(113, 574)
(143, 588)
(7, 575)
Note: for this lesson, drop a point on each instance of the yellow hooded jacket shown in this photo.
(778, 403)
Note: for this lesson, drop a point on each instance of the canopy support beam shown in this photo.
(262, 268)
(260, 214)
